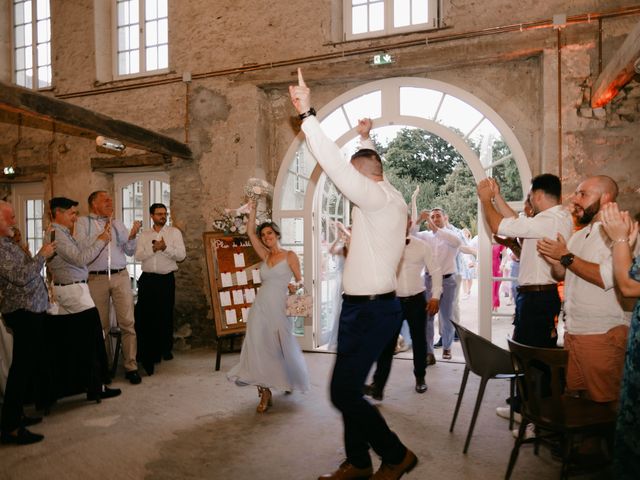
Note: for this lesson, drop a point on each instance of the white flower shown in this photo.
(242, 230)
(233, 228)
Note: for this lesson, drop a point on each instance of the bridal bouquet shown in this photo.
(232, 221)
(257, 188)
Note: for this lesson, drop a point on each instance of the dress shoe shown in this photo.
(346, 471)
(106, 392)
(438, 344)
(167, 356)
(149, 367)
(446, 354)
(431, 359)
(133, 376)
(28, 421)
(22, 437)
(421, 386)
(373, 392)
(390, 471)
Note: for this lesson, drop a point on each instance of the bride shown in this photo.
(270, 356)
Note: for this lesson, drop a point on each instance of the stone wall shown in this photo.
(240, 122)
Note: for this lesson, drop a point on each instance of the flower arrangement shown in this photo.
(235, 221)
(232, 221)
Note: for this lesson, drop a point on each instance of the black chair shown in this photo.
(558, 418)
(487, 361)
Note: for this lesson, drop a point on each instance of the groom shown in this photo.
(371, 313)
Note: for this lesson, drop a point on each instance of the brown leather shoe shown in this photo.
(388, 471)
(346, 471)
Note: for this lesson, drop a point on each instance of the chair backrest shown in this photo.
(481, 356)
(542, 382)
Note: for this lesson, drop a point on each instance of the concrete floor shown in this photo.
(189, 422)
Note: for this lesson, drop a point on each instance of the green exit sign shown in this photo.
(382, 59)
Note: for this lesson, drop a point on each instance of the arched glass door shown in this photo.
(475, 130)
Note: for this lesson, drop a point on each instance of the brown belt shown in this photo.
(537, 288)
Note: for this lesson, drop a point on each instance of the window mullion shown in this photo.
(34, 45)
(142, 42)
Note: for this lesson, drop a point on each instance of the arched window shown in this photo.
(473, 128)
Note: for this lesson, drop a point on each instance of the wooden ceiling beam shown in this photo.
(28, 102)
(619, 70)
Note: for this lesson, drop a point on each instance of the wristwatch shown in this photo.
(566, 260)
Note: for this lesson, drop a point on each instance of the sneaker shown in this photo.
(529, 433)
(431, 359)
(504, 412)
(446, 354)
(438, 343)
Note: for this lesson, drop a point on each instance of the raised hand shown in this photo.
(300, 95)
(485, 189)
(616, 223)
(137, 225)
(364, 127)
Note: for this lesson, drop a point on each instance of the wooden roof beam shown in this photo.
(619, 70)
(28, 102)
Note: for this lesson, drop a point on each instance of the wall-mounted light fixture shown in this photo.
(109, 145)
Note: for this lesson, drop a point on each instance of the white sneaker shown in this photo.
(529, 433)
(504, 412)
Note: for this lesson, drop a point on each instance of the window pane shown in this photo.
(43, 54)
(28, 57)
(151, 10)
(123, 39)
(44, 31)
(44, 76)
(376, 17)
(401, 13)
(162, 8)
(359, 19)
(134, 37)
(123, 64)
(151, 33)
(27, 11)
(134, 11)
(366, 106)
(20, 64)
(419, 102)
(163, 31)
(419, 11)
(458, 114)
(42, 9)
(335, 124)
(123, 17)
(152, 58)
(20, 39)
(21, 79)
(134, 61)
(163, 56)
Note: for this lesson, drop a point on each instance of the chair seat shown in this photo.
(573, 414)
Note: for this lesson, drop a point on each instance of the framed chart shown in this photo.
(234, 278)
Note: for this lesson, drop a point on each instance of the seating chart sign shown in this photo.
(234, 278)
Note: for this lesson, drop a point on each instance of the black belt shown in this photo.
(443, 276)
(412, 297)
(72, 283)
(537, 288)
(106, 272)
(368, 298)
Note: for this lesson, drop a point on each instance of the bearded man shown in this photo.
(596, 323)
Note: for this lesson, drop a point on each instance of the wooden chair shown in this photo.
(555, 415)
(487, 361)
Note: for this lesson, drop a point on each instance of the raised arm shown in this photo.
(623, 233)
(257, 244)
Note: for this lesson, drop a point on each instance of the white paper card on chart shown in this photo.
(231, 316)
(225, 299)
(249, 295)
(245, 314)
(256, 275)
(238, 297)
(238, 260)
(241, 278)
(227, 280)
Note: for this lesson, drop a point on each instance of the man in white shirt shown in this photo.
(416, 259)
(596, 322)
(538, 301)
(444, 244)
(158, 249)
(371, 313)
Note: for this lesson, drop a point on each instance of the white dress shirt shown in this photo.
(161, 262)
(534, 269)
(588, 308)
(444, 245)
(379, 218)
(417, 255)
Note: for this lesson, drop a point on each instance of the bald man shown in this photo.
(595, 321)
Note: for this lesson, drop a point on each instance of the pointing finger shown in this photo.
(300, 79)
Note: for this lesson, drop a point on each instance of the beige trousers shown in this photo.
(118, 289)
